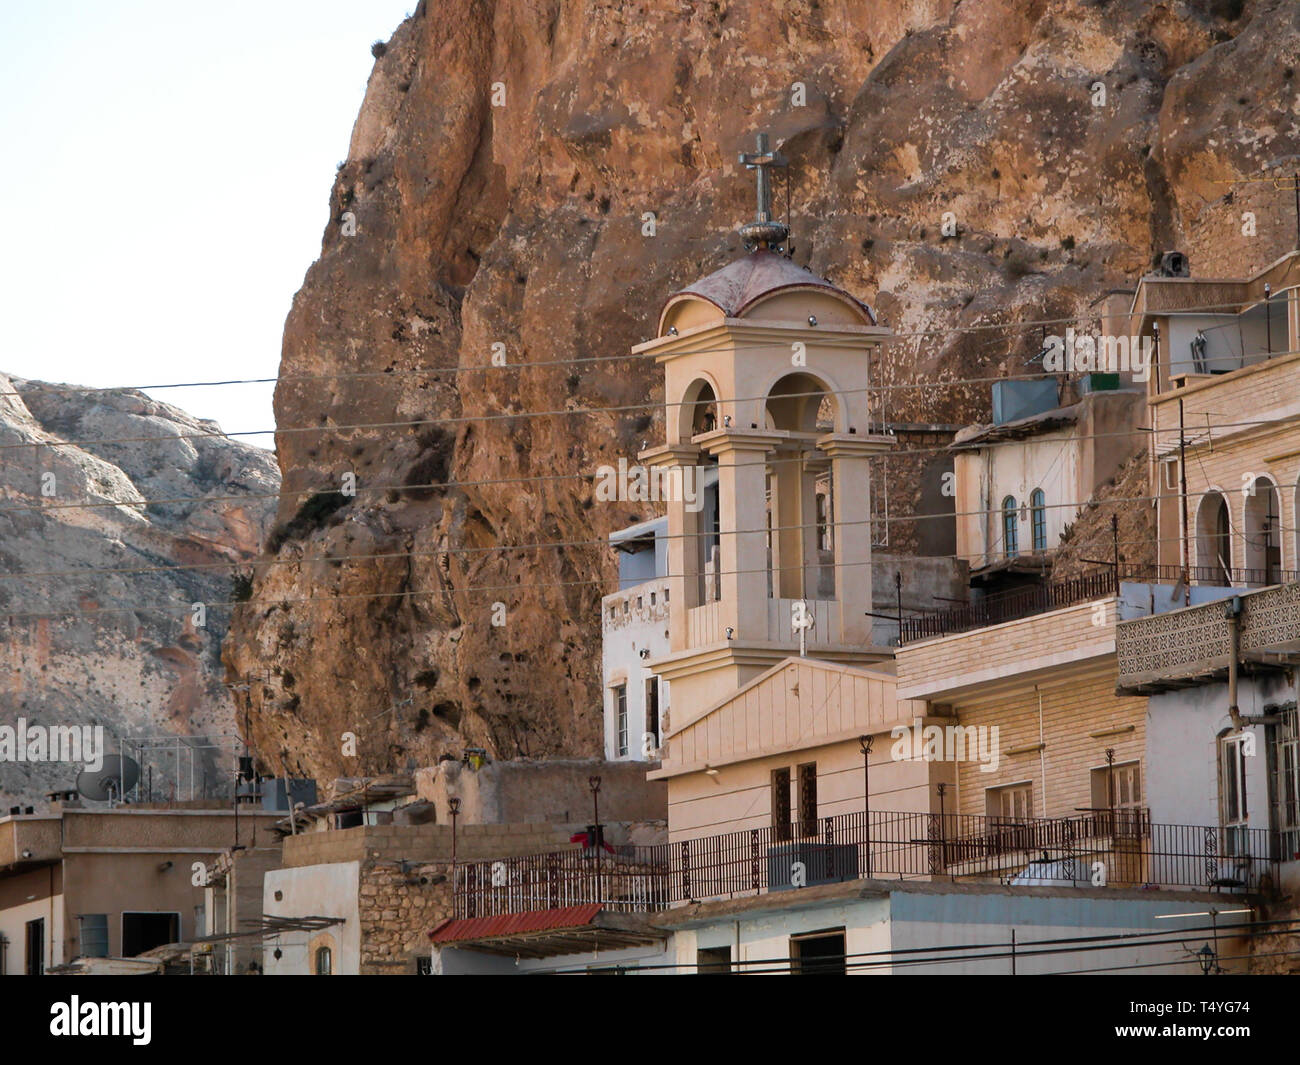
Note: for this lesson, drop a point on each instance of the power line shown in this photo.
(590, 360)
(259, 563)
(883, 456)
(451, 593)
(256, 563)
(504, 416)
(1004, 949)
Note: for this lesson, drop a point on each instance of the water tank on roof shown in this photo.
(1013, 400)
(279, 793)
(1098, 382)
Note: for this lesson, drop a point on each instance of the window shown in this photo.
(1118, 788)
(1213, 540)
(1038, 514)
(36, 947)
(1171, 479)
(818, 954)
(94, 935)
(1232, 793)
(1013, 802)
(780, 804)
(713, 960)
(1286, 762)
(424, 966)
(620, 721)
(1010, 527)
(144, 931)
(324, 962)
(652, 714)
(823, 522)
(808, 799)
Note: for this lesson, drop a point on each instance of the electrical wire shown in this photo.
(883, 456)
(591, 360)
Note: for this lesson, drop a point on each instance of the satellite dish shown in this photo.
(114, 778)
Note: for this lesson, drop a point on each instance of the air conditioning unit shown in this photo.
(822, 863)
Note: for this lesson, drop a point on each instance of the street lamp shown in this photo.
(454, 806)
(864, 743)
(594, 784)
(1207, 959)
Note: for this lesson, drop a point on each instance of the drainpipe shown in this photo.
(1042, 756)
(1233, 613)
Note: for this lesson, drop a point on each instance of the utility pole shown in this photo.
(1114, 543)
(1295, 178)
(1182, 485)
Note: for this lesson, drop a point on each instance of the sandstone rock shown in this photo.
(96, 621)
(522, 225)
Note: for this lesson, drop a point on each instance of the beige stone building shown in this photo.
(1047, 684)
(1003, 783)
(785, 751)
(1021, 482)
(1224, 409)
(765, 385)
(110, 882)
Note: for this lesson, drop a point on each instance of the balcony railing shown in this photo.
(1009, 606)
(1116, 848)
(1212, 576)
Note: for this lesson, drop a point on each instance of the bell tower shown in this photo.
(766, 371)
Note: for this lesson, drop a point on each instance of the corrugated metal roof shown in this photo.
(507, 924)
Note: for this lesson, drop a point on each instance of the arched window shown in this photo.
(324, 961)
(1010, 528)
(1213, 541)
(1263, 533)
(1038, 516)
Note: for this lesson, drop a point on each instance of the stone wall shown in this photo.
(555, 791)
(405, 883)
(399, 907)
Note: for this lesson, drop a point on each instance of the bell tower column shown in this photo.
(851, 501)
(679, 469)
(742, 527)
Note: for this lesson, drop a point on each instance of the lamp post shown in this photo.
(864, 743)
(1110, 788)
(1207, 959)
(594, 784)
(453, 805)
(941, 787)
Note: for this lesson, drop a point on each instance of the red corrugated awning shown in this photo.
(456, 930)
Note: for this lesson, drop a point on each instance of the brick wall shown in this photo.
(933, 669)
(421, 843)
(1081, 717)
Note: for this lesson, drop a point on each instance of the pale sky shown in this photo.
(166, 178)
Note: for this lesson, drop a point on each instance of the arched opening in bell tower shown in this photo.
(800, 488)
(698, 412)
(802, 403)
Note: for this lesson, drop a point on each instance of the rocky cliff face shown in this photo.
(496, 192)
(97, 625)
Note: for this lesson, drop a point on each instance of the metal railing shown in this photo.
(1009, 606)
(1100, 848)
(1039, 599)
(1213, 576)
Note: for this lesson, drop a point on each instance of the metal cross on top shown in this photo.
(763, 232)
